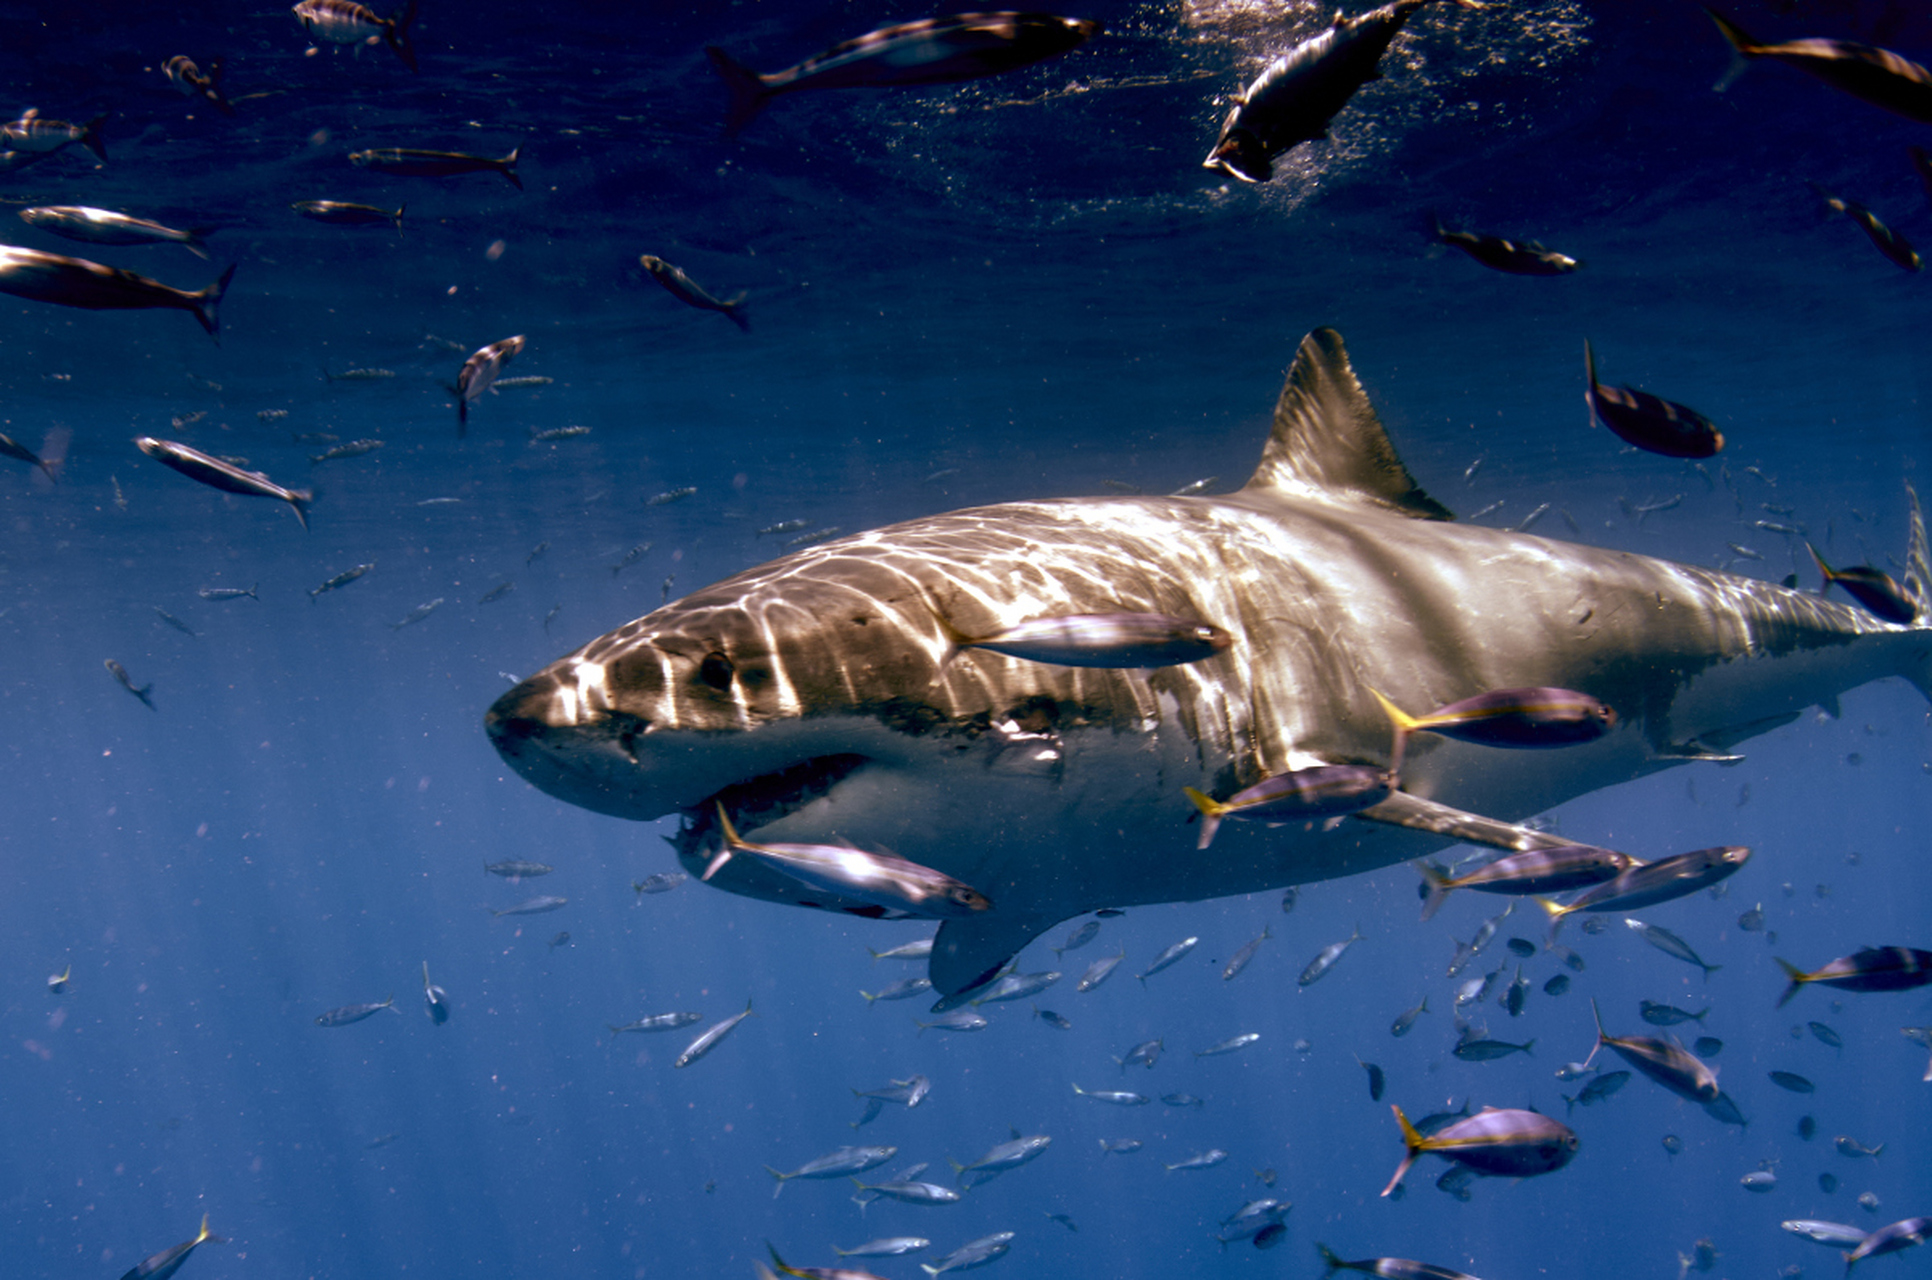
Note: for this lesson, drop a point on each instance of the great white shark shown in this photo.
(813, 696)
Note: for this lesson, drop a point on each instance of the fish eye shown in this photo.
(716, 670)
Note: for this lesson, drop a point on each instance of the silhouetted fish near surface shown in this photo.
(1649, 422)
(1319, 791)
(412, 162)
(1792, 1081)
(119, 672)
(1388, 1268)
(944, 50)
(103, 226)
(11, 448)
(1877, 76)
(225, 476)
(1499, 1143)
(350, 1013)
(1498, 254)
(479, 374)
(1896, 248)
(1873, 588)
(34, 132)
(345, 213)
(346, 22)
(184, 75)
(693, 294)
(168, 1261)
(1873, 969)
(76, 282)
(1299, 93)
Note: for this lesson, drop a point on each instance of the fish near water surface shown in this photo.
(225, 476)
(801, 693)
(1875, 75)
(184, 75)
(346, 22)
(103, 226)
(76, 282)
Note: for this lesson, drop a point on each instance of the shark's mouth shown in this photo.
(762, 800)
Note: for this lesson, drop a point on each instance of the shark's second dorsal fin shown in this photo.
(1327, 437)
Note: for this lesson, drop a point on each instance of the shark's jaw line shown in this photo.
(812, 696)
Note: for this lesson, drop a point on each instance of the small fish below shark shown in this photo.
(813, 697)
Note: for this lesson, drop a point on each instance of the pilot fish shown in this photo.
(693, 294)
(1649, 422)
(1558, 870)
(944, 50)
(1873, 588)
(1319, 791)
(168, 1261)
(225, 476)
(76, 282)
(892, 884)
(346, 22)
(1299, 93)
(100, 226)
(1873, 969)
(184, 75)
(1877, 76)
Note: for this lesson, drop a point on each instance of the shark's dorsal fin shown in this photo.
(1328, 439)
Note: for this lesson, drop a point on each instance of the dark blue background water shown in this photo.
(1029, 285)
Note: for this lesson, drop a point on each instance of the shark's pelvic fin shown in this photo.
(1328, 440)
(1405, 810)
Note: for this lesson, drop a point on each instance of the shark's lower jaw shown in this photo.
(763, 800)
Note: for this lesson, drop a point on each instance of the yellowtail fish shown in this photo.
(100, 226)
(1877, 76)
(711, 1037)
(1896, 248)
(345, 213)
(352, 1013)
(974, 1253)
(1645, 884)
(346, 22)
(1889, 1239)
(410, 162)
(693, 294)
(1873, 969)
(1300, 93)
(479, 374)
(1525, 259)
(184, 75)
(168, 1261)
(946, 50)
(1873, 588)
(34, 132)
(1499, 1143)
(76, 282)
(1530, 718)
(1555, 870)
(57, 982)
(119, 672)
(841, 1163)
(1649, 422)
(435, 999)
(891, 884)
(1104, 640)
(226, 476)
(1668, 1063)
(1389, 1268)
(825, 1273)
(1321, 791)
(11, 448)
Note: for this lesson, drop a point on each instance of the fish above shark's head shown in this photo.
(824, 697)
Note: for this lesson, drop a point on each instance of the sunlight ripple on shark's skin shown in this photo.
(802, 694)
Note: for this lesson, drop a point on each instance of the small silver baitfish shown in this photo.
(76, 282)
(416, 615)
(222, 475)
(659, 1022)
(944, 50)
(412, 162)
(102, 226)
(340, 580)
(349, 1013)
(346, 22)
(479, 373)
(711, 1037)
(692, 294)
(119, 672)
(1526, 259)
(33, 132)
(353, 449)
(533, 907)
(184, 75)
(497, 592)
(229, 593)
(346, 213)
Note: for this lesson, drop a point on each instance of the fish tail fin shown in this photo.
(929, 1269)
(734, 309)
(724, 856)
(194, 243)
(781, 1181)
(1823, 568)
(1743, 49)
(1404, 724)
(400, 209)
(91, 137)
(1413, 1144)
(1329, 1260)
(1211, 811)
(1797, 976)
(1527, 1046)
(1710, 969)
(1602, 1039)
(1439, 888)
(207, 303)
(507, 166)
(870, 1000)
(298, 501)
(780, 1263)
(396, 34)
(748, 92)
(1918, 581)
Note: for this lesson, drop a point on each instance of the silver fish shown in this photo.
(1118, 1097)
(100, 226)
(142, 692)
(340, 580)
(413, 162)
(841, 1163)
(533, 907)
(229, 593)
(659, 1022)
(1167, 959)
(349, 1013)
(692, 294)
(175, 622)
(184, 75)
(1230, 1045)
(711, 1036)
(878, 878)
(1099, 971)
(346, 213)
(417, 614)
(33, 132)
(479, 372)
(1325, 959)
(346, 22)
(353, 449)
(219, 474)
(76, 282)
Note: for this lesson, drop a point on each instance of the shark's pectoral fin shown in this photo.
(1404, 810)
(967, 953)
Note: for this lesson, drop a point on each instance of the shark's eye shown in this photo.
(716, 670)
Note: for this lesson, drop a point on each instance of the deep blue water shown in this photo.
(1021, 287)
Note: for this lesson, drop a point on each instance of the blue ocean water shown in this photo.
(1021, 287)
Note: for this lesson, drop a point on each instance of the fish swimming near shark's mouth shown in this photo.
(813, 698)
